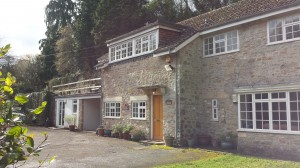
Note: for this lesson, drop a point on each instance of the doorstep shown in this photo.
(150, 142)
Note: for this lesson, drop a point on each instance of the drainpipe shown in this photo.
(177, 120)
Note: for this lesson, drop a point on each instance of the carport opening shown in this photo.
(91, 114)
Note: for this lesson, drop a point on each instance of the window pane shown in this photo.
(294, 116)
(259, 125)
(242, 98)
(265, 115)
(275, 115)
(283, 116)
(258, 116)
(295, 126)
(249, 106)
(289, 35)
(258, 107)
(274, 95)
(266, 125)
(265, 106)
(282, 95)
(293, 96)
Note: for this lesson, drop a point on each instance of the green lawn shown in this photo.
(223, 160)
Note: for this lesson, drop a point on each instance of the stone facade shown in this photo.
(124, 79)
(196, 80)
(216, 77)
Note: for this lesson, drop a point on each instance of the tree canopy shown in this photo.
(90, 23)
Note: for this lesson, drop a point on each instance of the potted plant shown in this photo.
(204, 140)
(107, 132)
(227, 140)
(118, 129)
(138, 135)
(169, 140)
(126, 130)
(191, 142)
(70, 119)
(100, 131)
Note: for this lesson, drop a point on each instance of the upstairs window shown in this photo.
(143, 44)
(221, 43)
(286, 29)
(138, 46)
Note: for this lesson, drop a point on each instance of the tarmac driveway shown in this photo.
(86, 150)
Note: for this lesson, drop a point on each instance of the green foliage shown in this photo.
(28, 72)
(59, 13)
(21, 99)
(70, 119)
(15, 144)
(203, 6)
(138, 135)
(127, 128)
(66, 61)
(118, 128)
(116, 17)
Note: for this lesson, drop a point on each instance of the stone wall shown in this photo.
(205, 78)
(123, 79)
(278, 146)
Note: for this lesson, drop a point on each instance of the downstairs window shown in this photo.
(270, 111)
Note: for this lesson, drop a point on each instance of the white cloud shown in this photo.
(22, 25)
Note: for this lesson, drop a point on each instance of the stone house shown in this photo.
(234, 69)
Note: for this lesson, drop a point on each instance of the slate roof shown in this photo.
(148, 26)
(235, 12)
(229, 14)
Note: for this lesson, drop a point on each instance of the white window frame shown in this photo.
(75, 103)
(151, 46)
(283, 29)
(108, 114)
(214, 110)
(270, 100)
(139, 108)
(225, 40)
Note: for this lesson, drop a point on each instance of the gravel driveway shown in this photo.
(86, 150)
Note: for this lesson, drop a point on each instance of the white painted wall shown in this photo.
(91, 118)
(68, 110)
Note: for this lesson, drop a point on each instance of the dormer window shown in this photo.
(136, 46)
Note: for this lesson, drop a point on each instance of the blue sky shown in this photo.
(22, 25)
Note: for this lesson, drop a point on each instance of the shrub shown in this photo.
(138, 135)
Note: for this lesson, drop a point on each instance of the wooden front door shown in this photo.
(157, 117)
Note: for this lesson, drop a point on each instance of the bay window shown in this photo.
(270, 111)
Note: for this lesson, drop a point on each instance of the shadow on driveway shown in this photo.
(86, 150)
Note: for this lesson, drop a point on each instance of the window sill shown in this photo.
(283, 41)
(212, 55)
(269, 131)
(214, 120)
(142, 119)
(111, 117)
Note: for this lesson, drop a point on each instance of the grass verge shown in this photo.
(219, 160)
